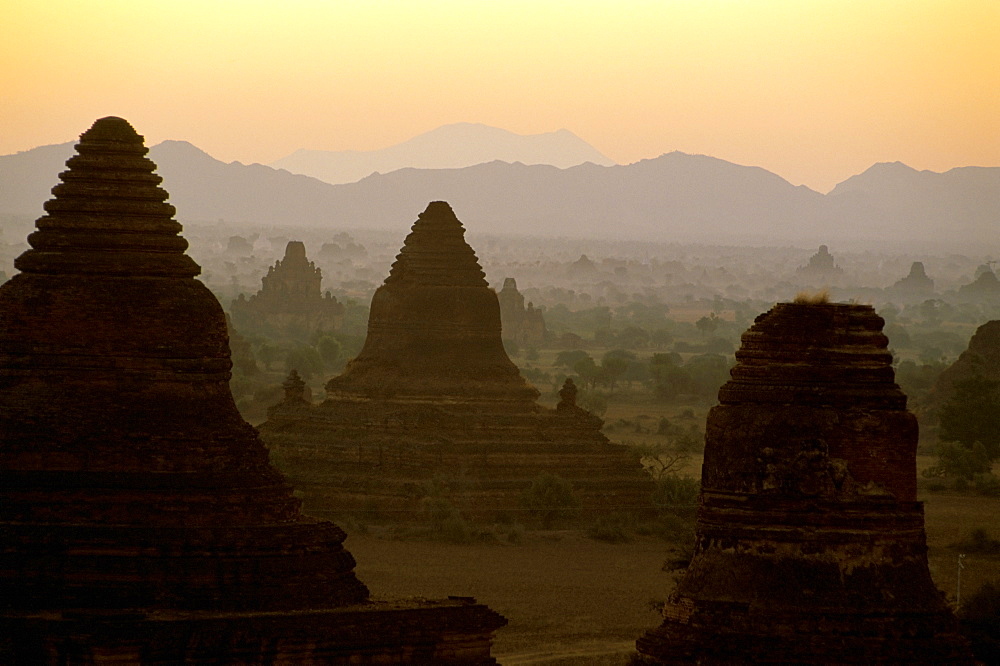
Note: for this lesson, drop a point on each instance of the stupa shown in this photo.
(986, 287)
(290, 302)
(810, 545)
(523, 325)
(821, 269)
(433, 393)
(915, 284)
(140, 519)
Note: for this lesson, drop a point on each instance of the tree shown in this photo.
(659, 458)
(329, 349)
(708, 372)
(305, 359)
(587, 370)
(954, 459)
(973, 415)
(669, 379)
(980, 622)
(568, 359)
(708, 324)
(634, 337)
(550, 498)
(661, 338)
(612, 369)
(604, 337)
(268, 353)
(676, 494)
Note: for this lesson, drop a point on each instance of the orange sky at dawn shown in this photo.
(812, 90)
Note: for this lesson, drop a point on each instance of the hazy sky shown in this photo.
(814, 90)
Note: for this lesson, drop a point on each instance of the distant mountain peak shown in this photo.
(876, 177)
(452, 146)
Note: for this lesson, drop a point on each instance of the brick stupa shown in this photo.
(140, 520)
(433, 393)
(810, 544)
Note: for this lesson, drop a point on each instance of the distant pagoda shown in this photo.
(821, 271)
(810, 545)
(433, 393)
(290, 302)
(523, 325)
(140, 519)
(916, 284)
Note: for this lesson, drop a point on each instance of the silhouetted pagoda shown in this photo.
(915, 284)
(433, 393)
(986, 287)
(523, 325)
(980, 360)
(290, 302)
(821, 269)
(810, 544)
(140, 520)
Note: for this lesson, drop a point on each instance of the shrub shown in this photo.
(612, 528)
(980, 622)
(515, 533)
(955, 459)
(446, 522)
(979, 542)
(550, 498)
(595, 403)
(987, 484)
(676, 494)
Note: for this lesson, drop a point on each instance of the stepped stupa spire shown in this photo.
(109, 215)
(435, 252)
(434, 326)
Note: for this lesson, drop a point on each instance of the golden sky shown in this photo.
(813, 90)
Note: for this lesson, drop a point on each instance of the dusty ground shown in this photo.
(572, 600)
(565, 595)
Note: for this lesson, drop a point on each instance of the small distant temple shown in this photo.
(140, 519)
(810, 545)
(821, 269)
(916, 283)
(290, 302)
(985, 286)
(583, 267)
(981, 359)
(433, 393)
(523, 325)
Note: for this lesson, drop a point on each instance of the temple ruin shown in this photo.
(523, 325)
(810, 545)
(916, 284)
(140, 519)
(985, 288)
(981, 359)
(821, 271)
(433, 394)
(290, 302)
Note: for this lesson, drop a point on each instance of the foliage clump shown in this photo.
(611, 528)
(979, 542)
(979, 619)
(550, 498)
(817, 298)
(973, 415)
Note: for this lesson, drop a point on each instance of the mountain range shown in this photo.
(447, 147)
(674, 197)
